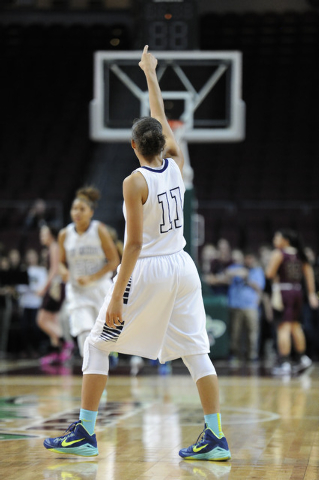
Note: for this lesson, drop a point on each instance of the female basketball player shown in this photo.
(88, 259)
(53, 296)
(289, 264)
(155, 308)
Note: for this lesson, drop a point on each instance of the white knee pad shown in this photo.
(95, 361)
(199, 366)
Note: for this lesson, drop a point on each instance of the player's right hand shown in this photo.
(114, 315)
(148, 61)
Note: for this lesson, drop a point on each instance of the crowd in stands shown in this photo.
(242, 278)
(239, 276)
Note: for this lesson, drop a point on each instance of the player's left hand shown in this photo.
(113, 317)
(84, 280)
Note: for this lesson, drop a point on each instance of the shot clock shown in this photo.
(166, 24)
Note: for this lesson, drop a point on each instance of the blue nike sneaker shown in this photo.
(75, 441)
(207, 447)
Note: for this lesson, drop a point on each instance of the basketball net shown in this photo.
(175, 124)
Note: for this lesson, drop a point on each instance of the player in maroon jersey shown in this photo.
(287, 266)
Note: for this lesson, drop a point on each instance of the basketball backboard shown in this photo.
(202, 89)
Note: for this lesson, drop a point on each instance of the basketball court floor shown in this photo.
(272, 424)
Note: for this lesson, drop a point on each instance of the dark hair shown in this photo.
(147, 133)
(54, 230)
(89, 194)
(295, 241)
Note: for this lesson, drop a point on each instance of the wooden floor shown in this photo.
(272, 426)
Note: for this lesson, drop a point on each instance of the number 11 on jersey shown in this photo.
(172, 209)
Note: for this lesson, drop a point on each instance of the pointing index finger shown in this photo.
(145, 49)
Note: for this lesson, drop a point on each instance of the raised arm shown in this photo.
(148, 64)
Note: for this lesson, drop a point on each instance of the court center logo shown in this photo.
(215, 329)
(12, 411)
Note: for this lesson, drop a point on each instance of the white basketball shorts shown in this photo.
(82, 320)
(163, 312)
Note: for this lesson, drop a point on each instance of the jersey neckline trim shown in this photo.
(86, 231)
(156, 170)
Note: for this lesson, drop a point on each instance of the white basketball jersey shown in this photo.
(163, 219)
(84, 253)
(85, 256)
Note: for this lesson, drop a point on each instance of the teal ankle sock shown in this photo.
(88, 420)
(214, 422)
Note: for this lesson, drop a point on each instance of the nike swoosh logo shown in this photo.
(67, 444)
(198, 449)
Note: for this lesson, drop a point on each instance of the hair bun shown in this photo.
(90, 193)
(148, 134)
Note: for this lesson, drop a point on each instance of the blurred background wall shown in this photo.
(244, 191)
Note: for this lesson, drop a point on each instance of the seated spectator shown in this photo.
(14, 258)
(219, 263)
(36, 216)
(4, 263)
(12, 273)
(223, 258)
(209, 255)
(30, 302)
